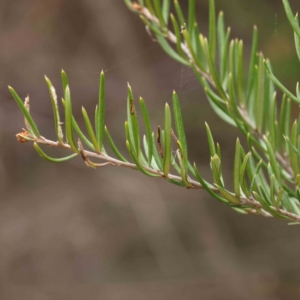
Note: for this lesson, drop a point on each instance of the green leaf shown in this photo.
(166, 10)
(156, 155)
(179, 13)
(191, 16)
(90, 130)
(216, 170)
(279, 84)
(212, 67)
(228, 196)
(259, 105)
(65, 81)
(262, 199)
(134, 136)
(236, 169)
(148, 130)
(221, 41)
(180, 129)
(294, 158)
(212, 29)
(168, 139)
(78, 130)
(152, 26)
(218, 107)
(297, 42)
(183, 172)
(273, 125)
(223, 56)
(169, 50)
(240, 82)
(113, 146)
(279, 198)
(176, 182)
(51, 159)
(243, 175)
(153, 164)
(25, 112)
(57, 123)
(292, 146)
(253, 185)
(211, 142)
(68, 120)
(253, 61)
(232, 61)
(291, 18)
(196, 60)
(178, 36)
(159, 13)
(285, 121)
(272, 190)
(150, 6)
(101, 112)
(272, 159)
(198, 48)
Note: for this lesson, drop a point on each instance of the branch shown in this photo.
(254, 206)
(169, 35)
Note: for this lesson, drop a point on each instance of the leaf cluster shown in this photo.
(266, 177)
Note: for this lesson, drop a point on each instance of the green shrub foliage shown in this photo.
(266, 176)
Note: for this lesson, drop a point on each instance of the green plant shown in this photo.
(266, 179)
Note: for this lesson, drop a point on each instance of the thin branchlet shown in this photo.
(254, 206)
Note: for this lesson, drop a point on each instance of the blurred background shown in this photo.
(72, 232)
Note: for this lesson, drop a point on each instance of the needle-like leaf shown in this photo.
(253, 61)
(90, 130)
(24, 111)
(113, 146)
(148, 130)
(180, 129)
(279, 84)
(167, 140)
(178, 36)
(166, 5)
(179, 13)
(294, 158)
(101, 112)
(51, 159)
(212, 29)
(211, 142)
(291, 17)
(237, 169)
(68, 120)
(259, 103)
(57, 123)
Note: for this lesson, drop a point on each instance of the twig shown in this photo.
(257, 208)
